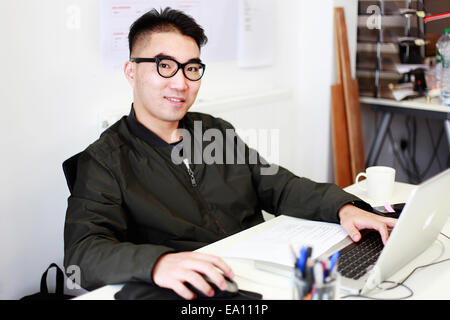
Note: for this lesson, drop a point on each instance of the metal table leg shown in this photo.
(447, 129)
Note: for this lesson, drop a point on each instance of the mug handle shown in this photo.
(361, 174)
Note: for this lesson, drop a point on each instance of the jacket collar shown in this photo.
(140, 131)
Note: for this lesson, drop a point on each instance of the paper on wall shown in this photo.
(256, 33)
(218, 19)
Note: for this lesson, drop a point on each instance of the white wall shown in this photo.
(54, 89)
(316, 71)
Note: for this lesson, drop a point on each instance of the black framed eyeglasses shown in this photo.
(168, 67)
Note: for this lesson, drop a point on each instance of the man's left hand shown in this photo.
(354, 219)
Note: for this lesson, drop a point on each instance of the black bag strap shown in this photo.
(59, 281)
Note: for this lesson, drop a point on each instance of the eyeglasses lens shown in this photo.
(168, 68)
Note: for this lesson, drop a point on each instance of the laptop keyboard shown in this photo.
(355, 259)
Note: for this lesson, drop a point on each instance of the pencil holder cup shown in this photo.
(301, 289)
(305, 290)
(329, 290)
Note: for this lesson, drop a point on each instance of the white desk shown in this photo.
(428, 283)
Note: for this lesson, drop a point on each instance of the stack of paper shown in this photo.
(273, 244)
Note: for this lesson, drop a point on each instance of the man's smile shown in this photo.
(176, 100)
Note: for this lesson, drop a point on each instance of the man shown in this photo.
(136, 214)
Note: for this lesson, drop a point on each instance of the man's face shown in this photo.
(158, 100)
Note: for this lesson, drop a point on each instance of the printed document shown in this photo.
(273, 244)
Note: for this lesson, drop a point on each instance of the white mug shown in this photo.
(380, 182)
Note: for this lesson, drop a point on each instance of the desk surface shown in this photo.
(418, 103)
(428, 283)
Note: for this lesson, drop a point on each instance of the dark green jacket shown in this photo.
(131, 204)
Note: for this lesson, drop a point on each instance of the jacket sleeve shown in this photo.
(281, 192)
(95, 231)
(285, 193)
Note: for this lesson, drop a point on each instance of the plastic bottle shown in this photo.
(443, 65)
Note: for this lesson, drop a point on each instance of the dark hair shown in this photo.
(163, 21)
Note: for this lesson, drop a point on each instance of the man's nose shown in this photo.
(179, 81)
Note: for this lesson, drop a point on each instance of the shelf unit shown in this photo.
(384, 45)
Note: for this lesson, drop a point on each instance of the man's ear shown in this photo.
(129, 71)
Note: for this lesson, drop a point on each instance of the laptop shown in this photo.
(418, 226)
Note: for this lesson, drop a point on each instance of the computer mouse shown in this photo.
(231, 290)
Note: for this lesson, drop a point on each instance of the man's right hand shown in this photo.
(172, 270)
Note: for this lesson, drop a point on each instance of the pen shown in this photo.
(318, 274)
(327, 269)
(308, 252)
(318, 280)
(333, 261)
(302, 259)
(309, 275)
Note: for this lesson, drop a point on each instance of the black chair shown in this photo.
(70, 170)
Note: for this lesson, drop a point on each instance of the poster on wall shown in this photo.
(219, 19)
(256, 33)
